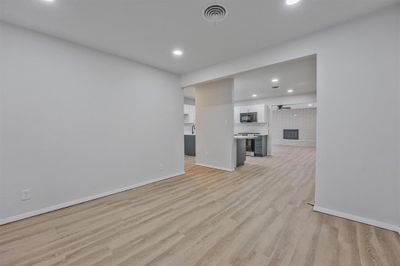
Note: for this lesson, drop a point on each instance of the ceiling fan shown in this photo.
(282, 107)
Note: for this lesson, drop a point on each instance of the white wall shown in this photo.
(398, 109)
(76, 123)
(357, 78)
(214, 125)
(305, 120)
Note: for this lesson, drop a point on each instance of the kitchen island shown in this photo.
(240, 150)
(256, 144)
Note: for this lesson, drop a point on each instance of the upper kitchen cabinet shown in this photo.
(189, 114)
(260, 109)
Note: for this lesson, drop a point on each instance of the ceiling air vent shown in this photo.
(215, 13)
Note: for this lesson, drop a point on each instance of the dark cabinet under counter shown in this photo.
(260, 146)
(240, 152)
(190, 145)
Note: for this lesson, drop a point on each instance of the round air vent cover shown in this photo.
(215, 13)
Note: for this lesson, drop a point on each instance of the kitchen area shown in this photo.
(189, 118)
(252, 124)
(251, 128)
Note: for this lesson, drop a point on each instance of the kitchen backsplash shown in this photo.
(188, 128)
(251, 128)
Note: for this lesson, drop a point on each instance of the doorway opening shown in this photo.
(274, 116)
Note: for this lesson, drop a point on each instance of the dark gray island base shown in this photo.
(240, 152)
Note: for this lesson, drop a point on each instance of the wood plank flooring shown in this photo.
(254, 216)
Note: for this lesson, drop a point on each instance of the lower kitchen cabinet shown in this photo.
(260, 146)
(190, 145)
(240, 152)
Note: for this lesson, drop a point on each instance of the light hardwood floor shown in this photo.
(256, 215)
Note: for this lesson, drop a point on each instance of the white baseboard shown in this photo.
(359, 219)
(216, 167)
(82, 200)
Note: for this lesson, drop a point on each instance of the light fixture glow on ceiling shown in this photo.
(292, 2)
(310, 105)
(290, 91)
(177, 52)
(254, 95)
(275, 80)
(48, 1)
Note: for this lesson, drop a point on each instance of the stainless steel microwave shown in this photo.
(248, 117)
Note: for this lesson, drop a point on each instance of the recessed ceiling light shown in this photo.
(295, 115)
(310, 105)
(275, 80)
(177, 52)
(254, 95)
(292, 2)
(290, 91)
(48, 1)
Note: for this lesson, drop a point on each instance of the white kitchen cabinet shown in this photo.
(260, 109)
(189, 114)
(248, 109)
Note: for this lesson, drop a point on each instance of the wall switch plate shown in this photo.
(161, 167)
(25, 194)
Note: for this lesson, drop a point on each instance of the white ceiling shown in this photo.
(298, 75)
(147, 30)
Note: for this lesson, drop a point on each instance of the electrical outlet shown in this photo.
(25, 194)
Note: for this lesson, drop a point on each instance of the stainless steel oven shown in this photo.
(250, 147)
(250, 143)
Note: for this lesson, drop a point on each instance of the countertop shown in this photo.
(248, 137)
(236, 137)
(245, 137)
